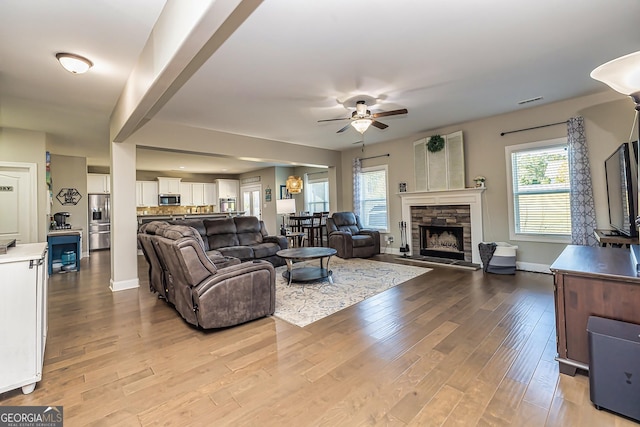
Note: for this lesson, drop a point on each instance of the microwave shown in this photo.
(169, 199)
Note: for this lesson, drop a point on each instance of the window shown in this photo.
(538, 181)
(316, 192)
(373, 198)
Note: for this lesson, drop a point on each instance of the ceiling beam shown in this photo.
(185, 36)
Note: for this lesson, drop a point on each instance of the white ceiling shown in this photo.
(293, 63)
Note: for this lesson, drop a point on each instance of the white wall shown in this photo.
(70, 172)
(19, 145)
(608, 120)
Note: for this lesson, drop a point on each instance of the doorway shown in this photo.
(18, 202)
(251, 200)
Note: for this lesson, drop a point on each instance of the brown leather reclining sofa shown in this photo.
(208, 288)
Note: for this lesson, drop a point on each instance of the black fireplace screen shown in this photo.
(442, 241)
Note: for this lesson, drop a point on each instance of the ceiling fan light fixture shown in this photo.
(621, 74)
(73, 63)
(294, 184)
(361, 125)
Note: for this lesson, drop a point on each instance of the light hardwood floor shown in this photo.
(451, 347)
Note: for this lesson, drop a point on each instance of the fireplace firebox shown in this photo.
(442, 241)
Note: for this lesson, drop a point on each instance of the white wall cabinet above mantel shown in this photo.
(440, 170)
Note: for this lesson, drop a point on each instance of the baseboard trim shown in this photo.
(124, 285)
(531, 266)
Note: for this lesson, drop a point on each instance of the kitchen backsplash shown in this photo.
(176, 210)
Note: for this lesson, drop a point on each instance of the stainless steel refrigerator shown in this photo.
(99, 221)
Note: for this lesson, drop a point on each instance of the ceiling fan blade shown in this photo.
(389, 113)
(344, 128)
(379, 125)
(358, 142)
(333, 120)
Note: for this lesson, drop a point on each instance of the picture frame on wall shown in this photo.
(284, 193)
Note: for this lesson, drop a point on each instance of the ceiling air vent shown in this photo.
(526, 101)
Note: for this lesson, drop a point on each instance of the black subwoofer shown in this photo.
(614, 366)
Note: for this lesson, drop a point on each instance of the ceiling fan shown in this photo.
(362, 118)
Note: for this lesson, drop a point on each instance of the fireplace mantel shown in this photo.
(466, 196)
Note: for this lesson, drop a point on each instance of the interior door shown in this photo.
(251, 200)
(18, 202)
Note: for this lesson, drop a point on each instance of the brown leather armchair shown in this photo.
(349, 238)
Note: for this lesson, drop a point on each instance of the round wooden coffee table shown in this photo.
(306, 274)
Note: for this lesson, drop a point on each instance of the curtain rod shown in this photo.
(374, 157)
(535, 127)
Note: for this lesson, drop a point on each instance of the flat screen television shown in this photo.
(621, 170)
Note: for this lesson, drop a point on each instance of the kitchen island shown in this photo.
(143, 219)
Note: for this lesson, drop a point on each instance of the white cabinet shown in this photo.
(210, 194)
(192, 194)
(98, 183)
(197, 194)
(23, 316)
(186, 194)
(168, 185)
(228, 188)
(146, 193)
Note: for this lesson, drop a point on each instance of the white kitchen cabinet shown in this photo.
(23, 316)
(228, 188)
(168, 185)
(146, 193)
(98, 183)
(210, 194)
(193, 194)
(186, 194)
(197, 194)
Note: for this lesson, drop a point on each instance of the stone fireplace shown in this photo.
(449, 208)
(442, 242)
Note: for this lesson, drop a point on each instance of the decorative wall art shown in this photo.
(439, 162)
(284, 193)
(68, 196)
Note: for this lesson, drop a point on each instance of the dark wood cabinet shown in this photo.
(591, 281)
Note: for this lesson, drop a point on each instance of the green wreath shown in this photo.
(435, 144)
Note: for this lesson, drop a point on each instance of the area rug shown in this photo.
(354, 280)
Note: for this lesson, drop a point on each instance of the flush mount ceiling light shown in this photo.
(294, 184)
(622, 75)
(73, 63)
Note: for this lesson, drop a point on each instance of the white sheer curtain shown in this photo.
(583, 212)
(357, 170)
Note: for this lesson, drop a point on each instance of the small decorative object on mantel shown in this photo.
(435, 144)
(402, 187)
(479, 180)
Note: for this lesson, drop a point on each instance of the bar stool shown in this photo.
(313, 229)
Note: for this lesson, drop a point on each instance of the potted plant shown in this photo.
(479, 180)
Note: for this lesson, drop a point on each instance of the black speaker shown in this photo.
(614, 366)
